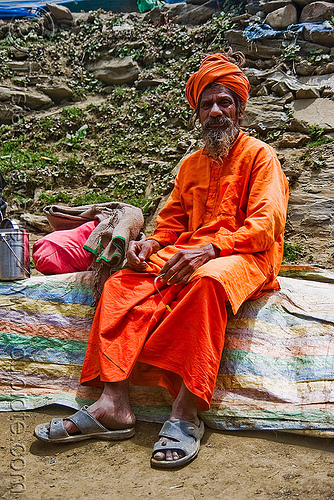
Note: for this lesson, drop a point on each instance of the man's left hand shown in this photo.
(180, 267)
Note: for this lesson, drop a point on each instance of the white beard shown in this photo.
(218, 141)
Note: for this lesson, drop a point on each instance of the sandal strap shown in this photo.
(181, 430)
(86, 422)
(57, 429)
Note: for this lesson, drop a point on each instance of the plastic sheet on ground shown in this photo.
(276, 373)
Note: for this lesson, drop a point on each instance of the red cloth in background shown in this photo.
(62, 251)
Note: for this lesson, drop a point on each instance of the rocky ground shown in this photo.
(92, 108)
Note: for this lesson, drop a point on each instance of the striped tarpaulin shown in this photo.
(277, 369)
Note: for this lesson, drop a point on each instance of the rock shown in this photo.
(80, 17)
(10, 113)
(243, 19)
(265, 114)
(273, 5)
(280, 19)
(255, 76)
(325, 38)
(307, 93)
(289, 97)
(39, 78)
(60, 12)
(280, 88)
(19, 54)
(304, 68)
(311, 210)
(23, 66)
(263, 49)
(24, 98)
(292, 140)
(115, 71)
(315, 111)
(299, 125)
(153, 16)
(316, 12)
(260, 90)
(325, 70)
(149, 59)
(38, 222)
(187, 14)
(321, 82)
(144, 84)
(259, 50)
(302, 3)
(253, 7)
(327, 93)
(56, 92)
(281, 83)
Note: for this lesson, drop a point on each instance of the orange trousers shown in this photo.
(134, 336)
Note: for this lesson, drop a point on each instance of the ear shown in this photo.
(242, 110)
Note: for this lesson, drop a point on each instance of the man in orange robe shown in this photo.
(219, 238)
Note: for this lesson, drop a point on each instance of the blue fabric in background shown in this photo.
(257, 31)
(30, 8)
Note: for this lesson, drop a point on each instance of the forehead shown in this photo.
(216, 91)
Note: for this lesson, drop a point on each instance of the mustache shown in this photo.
(218, 139)
(217, 120)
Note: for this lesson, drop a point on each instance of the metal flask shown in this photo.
(14, 252)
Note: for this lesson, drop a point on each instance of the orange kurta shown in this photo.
(239, 205)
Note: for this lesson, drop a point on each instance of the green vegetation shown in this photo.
(316, 132)
(55, 197)
(77, 137)
(290, 51)
(318, 163)
(316, 135)
(123, 149)
(292, 252)
(317, 56)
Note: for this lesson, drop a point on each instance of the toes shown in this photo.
(159, 455)
(169, 456)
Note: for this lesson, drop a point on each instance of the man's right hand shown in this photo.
(139, 252)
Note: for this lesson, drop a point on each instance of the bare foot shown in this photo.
(112, 409)
(184, 408)
(172, 454)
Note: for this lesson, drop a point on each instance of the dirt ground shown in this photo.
(233, 466)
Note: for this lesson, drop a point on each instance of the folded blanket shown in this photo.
(119, 223)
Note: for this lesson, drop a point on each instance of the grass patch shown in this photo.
(292, 252)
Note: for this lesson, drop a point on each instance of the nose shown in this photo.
(215, 110)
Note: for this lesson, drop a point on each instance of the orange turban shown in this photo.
(218, 69)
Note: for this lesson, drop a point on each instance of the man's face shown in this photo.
(219, 118)
(216, 102)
